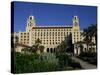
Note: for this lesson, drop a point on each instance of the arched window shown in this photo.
(51, 50)
(47, 49)
(54, 50)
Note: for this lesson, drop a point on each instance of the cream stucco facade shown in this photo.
(51, 36)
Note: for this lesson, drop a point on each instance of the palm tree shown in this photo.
(62, 47)
(93, 32)
(41, 48)
(38, 41)
(89, 33)
(34, 48)
(86, 37)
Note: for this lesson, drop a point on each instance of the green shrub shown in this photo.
(75, 65)
(90, 57)
(44, 62)
(24, 63)
(27, 63)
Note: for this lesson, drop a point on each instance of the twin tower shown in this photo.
(32, 23)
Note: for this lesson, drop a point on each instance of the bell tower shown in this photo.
(76, 34)
(30, 23)
(76, 23)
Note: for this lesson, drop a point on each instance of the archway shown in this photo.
(54, 50)
(85, 49)
(48, 50)
(51, 50)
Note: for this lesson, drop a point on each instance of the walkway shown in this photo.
(84, 64)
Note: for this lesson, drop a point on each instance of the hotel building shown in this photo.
(51, 36)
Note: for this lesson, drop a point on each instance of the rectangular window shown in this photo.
(24, 36)
(53, 37)
(27, 33)
(24, 39)
(24, 33)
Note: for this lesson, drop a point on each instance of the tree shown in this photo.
(86, 37)
(38, 41)
(62, 47)
(41, 48)
(37, 44)
(37, 48)
(93, 32)
(16, 38)
(14, 41)
(61, 54)
(89, 33)
(25, 50)
(92, 44)
(34, 48)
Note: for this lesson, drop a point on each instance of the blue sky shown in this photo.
(52, 14)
